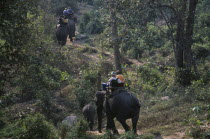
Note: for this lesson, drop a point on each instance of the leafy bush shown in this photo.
(199, 121)
(107, 135)
(94, 27)
(90, 23)
(150, 75)
(128, 135)
(90, 2)
(86, 87)
(198, 91)
(59, 5)
(201, 52)
(79, 130)
(32, 126)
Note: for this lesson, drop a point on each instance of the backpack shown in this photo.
(114, 83)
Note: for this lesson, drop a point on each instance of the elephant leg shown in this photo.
(63, 42)
(134, 122)
(111, 124)
(91, 123)
(123, 122)
(99, 113)
(71, 39)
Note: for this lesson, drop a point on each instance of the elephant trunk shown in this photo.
(99, 113)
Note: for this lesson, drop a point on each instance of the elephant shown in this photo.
(89, 112)
(71, 28)
(61, 34)
(120, 104)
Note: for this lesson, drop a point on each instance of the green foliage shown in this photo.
(150, 75)
(107, 135)
(8, 99)
(86, 87)
(32, 126)
(199, 91)
(59, 5)
(149, 136)
(79, 130)
(91, 24)
(198, 126)
(150, 80)
(24, 54)
(184, 76)
(128, 135)
(201, 52)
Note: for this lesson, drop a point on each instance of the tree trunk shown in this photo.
(115, 40)
(184, 42)
(115, 43)
(180, 36)
(188, 58)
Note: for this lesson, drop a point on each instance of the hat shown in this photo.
(70, 11)
(65, 12)
(113, 73)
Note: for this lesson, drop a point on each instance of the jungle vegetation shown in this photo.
(161, 46)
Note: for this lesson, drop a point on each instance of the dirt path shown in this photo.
(178, 135)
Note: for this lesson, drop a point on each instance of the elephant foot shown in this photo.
(128, 129)
(135, 131)
(115, 131)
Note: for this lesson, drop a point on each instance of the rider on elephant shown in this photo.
(62, 20)
(114, 82)
(69, 14)
(121, 77)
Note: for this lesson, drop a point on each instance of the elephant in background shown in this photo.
(62, 30)
(71, 29)
(61, 34)
(89, 112)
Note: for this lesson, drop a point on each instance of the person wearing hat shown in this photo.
(71, 23)
(114, 82)
(121, 77)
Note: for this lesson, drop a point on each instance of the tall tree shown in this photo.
(184, 33)
(111, 6)
(184, 11)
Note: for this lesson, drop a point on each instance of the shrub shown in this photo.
(91, 24)
(79, 130)
(128, 135)
(86, 87)
(150, 75)
(94, 27)
(197, 131)
(32, 126)
(108, 135)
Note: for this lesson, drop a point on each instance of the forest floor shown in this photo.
(178, 135)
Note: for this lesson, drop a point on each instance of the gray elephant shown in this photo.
(89, 112)
(62, 31)
(71, 28)
(120, 104)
